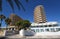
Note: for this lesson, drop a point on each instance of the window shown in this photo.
(52, 30)
(50, 25)
(37, 26)
(33, 30)
(9, 28)
(41, 26)
(47, 29)
(37, 30)
(12, 28)
(45, 25)
(55, 25)
(57, 29)
(41, 30)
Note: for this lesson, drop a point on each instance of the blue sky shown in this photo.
(52, 9)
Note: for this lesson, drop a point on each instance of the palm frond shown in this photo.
(2, 16)
(21, 5)
(16, 1)
(11, 4)
(27, 0)
(0, 5)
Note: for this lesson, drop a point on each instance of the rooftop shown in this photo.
(47, 23)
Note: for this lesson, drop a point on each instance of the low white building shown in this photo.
(45, 27)
(38, 29)
(10, 28)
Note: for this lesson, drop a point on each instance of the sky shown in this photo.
(51, 7)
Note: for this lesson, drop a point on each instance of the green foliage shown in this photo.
(2, 17)
(23, 24)
(19, 24)
(7, 20)
(26, 24)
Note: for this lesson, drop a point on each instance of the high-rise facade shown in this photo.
(14, 18)
(39, 14)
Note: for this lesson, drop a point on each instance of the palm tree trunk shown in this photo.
(7, 27)
(0, 5)
(0, 24)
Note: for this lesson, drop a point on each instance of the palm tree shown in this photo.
(18, 3)
(1, 19)
(7, 20)
(26, 24)
(23, 24)
(19, 24)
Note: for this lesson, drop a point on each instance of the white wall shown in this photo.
(47, 33)
(26, 32)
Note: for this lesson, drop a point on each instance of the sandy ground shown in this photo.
(41, 36)
(1, 33)
(45, 36)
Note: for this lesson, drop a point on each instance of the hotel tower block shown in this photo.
(39, 14)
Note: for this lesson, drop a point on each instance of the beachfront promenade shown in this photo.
(17, 36)
(38, 35)
(42, 36)
(31, 37)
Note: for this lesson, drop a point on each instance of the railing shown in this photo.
(46, 29)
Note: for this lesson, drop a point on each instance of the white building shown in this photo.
(45, 27)
(38, 29)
